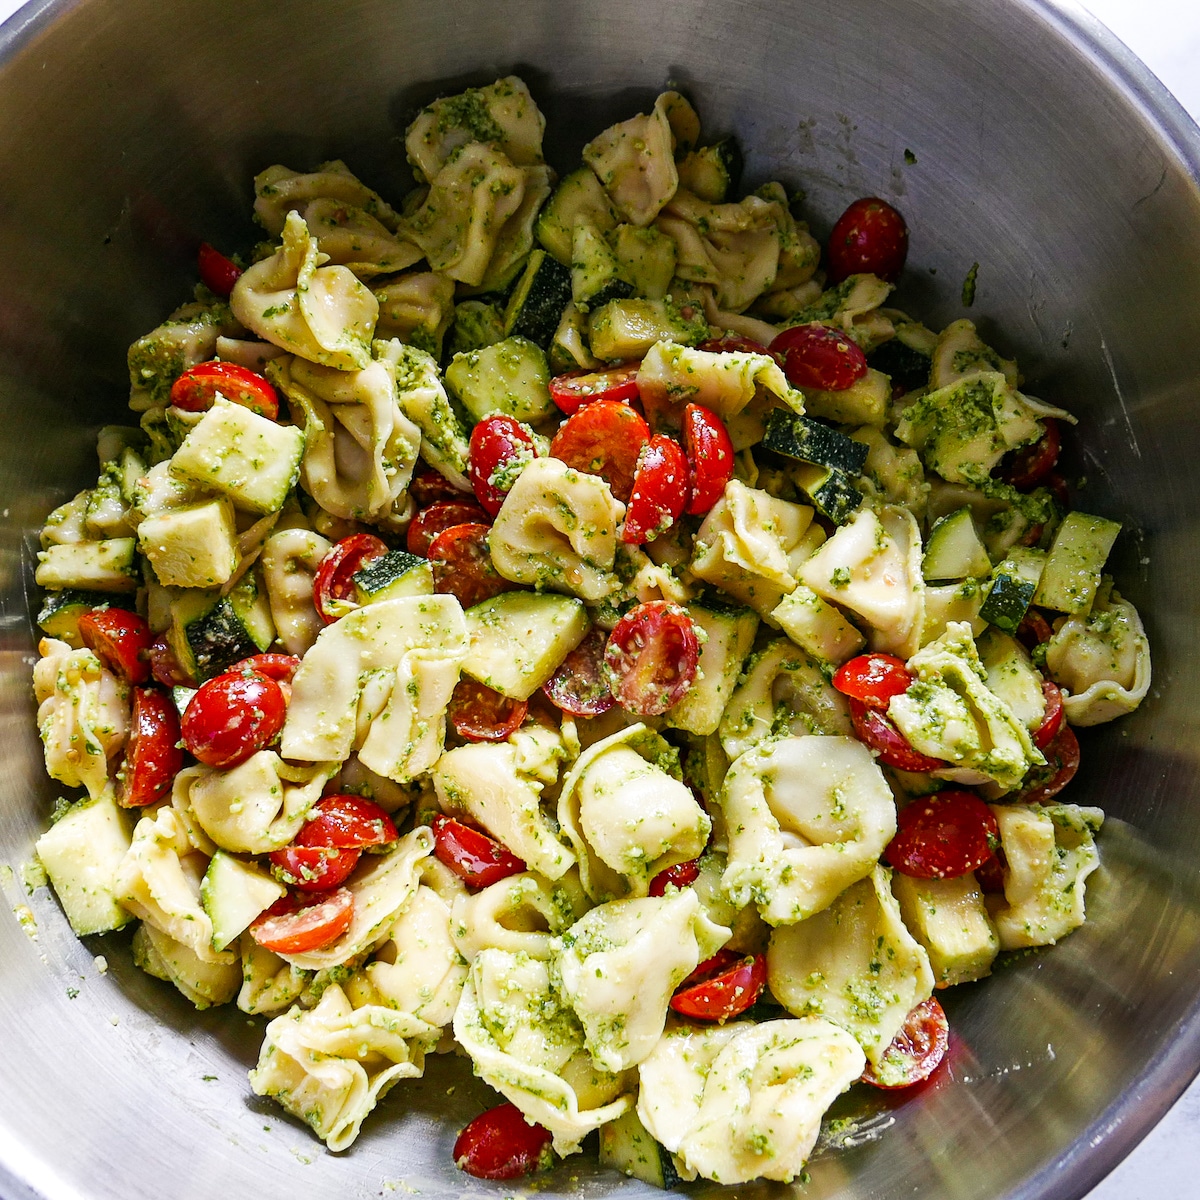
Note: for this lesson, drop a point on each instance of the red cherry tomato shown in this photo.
(1034, 629)
(721, 987)
(1062, 761)
(734, 343)
(480, 714)
(335, 575)
(870, 237)
(873, 727)
(290, 927)
(652, 657)
(121, 640)
(501, 1144)
(429, 486)
(1052, 719)
(660, 490)
(681, 875)
(217, 272)
(279, 667)
(580, 686)
(347, 822)
(477, 859)
(197, 388)
(943, 836)
(710, 456)
(873, 679)
(915, 1051)
(152, 754)
(440, 516)
(232, 717)
(462, 566)
(314, 868)
(1058, 485)
(1031, 464)
(990, 875)
(500, 447)
(815, 356)
(577, 388)
(604, 438)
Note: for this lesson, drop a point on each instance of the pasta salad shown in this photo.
(577, 622)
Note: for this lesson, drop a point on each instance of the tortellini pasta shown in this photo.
(202, 981)
(521, 914)
(279, 190)
(290, 558)
(417, 309)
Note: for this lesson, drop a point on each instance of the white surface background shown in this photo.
(1165, 34)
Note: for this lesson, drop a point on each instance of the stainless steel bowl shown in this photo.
(131, 131)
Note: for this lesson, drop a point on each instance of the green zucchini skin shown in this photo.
(537, 302)
(60, 612)
(901, 363)
(802, 438)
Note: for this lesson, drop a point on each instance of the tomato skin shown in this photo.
(347, 822)
(943, 836)
(1062, 758)
(572, 390)
(501, 1144)
(197, 388)
(334, 580)
(1034, 629)
(429, 486)
(121, 640)
(580, 686)
(660, 491)
(217, 272)
(314, 868)
(604, 438)
(870, 237)
(721, 987)
(279, 667)
(475, 857)
(652, 657)
(873, 679)
(710, 457)
(990, 875)
(290, 927)
(734, 343)
(165, 667)
(1030, 465)
(681, 875)
(875, 729)
(915, 1051)
(462, 565)
(481, 714)
(1052, 720)
(232, 717)
(498, 443)
(441, 515)
(152, 754)
(815, 356)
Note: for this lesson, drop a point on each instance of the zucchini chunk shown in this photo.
(902, 363)
(476, 324)
(625, 329)
(712, 172)
(1014, 582)
(596, 275)
(210, 632)
(106, 566)
(829, 490)
(954, 549)
(397, 573)
(802, 438)
(61, 611)
(579, 194)
(626, 1146)
(511, 377)
(233, 893)
(647, 257)
(1075, 563)
(536, 305)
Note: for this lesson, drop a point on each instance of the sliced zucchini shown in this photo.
(625, 329)
(193, 547)
(1075, 562)
(233, 893)
(61, 611)
(536, 305)
(569, 349)
(596, 276)
(729, 635)
(902, 363)
(948, 917)
(864, 402)
(476, 324)
(1014, 583)
(647, 258)
(579, 194)
(818, 627)
(626, 1146)
(397, 573)
(210, 632)
(1011, 676)
(106, 566)
(181, 697)
(954, 549)
(712, 172)
(800, 437)
(511, 377)
(829, 490)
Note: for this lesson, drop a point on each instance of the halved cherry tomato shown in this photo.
(721, 987)
(681, 875)
(232, 717)
(152, 754)
(121, 640)
(279, 667)
(1062, 761)
(873, 679)
(710, 456)
(1052, 719)
(1034, 629)
(660, 490)
(915, 1051)
(577, 388)
(335, 575)
(463, 567)
(652, 657)
(437, 518)
(870, 237)
(501, 1144)
(872, 727)
(943, 836)
(604, 438)
(477, 859)
(290, 927)
(734, 343)
(481, 714)
(990, 875)
(347, 822)
(1029, 465)
(500, 447)
(429, 486)
(314, 868)
(1058, 485)
(165, 667)
(217, 272)
(580, 686)
(197, 388)
(815, 356)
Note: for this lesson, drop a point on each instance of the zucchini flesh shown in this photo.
(596, 276)
(830, 491)
(476, 324)
(1014, 582)
(210, 633)
(61, 611)
(626, 1146)
(802, 438)
(397, 573)
(579, 194)
(1075, 563)
(536, 305)
(954, 549)
(510, 377)
(712, 172)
